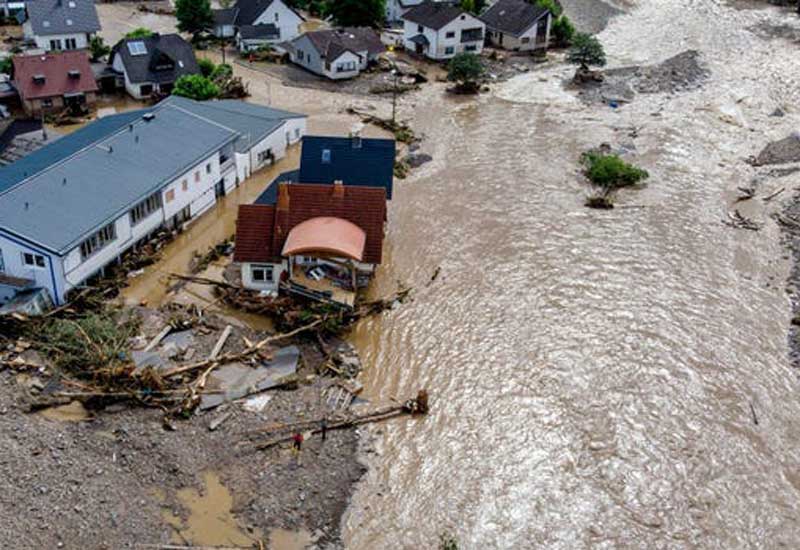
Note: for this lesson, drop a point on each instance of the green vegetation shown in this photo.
(551, 5)
(356, 13)
(447, 542)
(98, 48)
(466, 70)
(474, 7)
(609, 172)
(206, 66)
(586, 51)
(140, 32)
(223, 71)
(7, 66)
(194, 16)
(196, 86)
(562, 31)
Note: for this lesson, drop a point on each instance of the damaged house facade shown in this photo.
(75, 206)
(338, 53)
(321, 238)
(518, 25)
(440, 30)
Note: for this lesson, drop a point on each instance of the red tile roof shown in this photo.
(55, 67)
(261, 230)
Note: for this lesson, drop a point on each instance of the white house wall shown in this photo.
(247, 276)
(346, 57)
(81, 40)
(282, 17)
(517, 43)
(439, 42)
(50, 276)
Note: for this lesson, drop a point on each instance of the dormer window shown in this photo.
(326, 156)
(38, 78)
(74, 73)
(46, 24)
(69, 22)
(72, 4)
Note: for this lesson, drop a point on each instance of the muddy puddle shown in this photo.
(210, 521)
(282, 539)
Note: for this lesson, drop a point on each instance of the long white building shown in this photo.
(75, 206)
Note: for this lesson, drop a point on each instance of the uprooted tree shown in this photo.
(466, 70)
(608, 172)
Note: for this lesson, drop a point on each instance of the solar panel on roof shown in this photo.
(137, 48)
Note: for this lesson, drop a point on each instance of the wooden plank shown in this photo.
(220, 343)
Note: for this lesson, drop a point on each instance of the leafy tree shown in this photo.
(7, 66)
(207, 66)
(563, 31)
(611, 172)
(357, 13)
(98, 48)
(194, 16)
(140, 32)
(465, 69)
(586, 50)
(221, 71)
(474, 7)
(195, 86)
(551, 5)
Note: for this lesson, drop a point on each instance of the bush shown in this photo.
(551, 5)
(140, 32)
(563, 31)
(7, 66)
(586, 50)
(611, 172)
(221, 71)
(465, 69)
(207, 67)
(98, 48)
(196, 86)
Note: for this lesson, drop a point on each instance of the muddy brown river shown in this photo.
(592, 372)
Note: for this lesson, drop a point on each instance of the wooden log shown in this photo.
(158, 337)
(221, 342)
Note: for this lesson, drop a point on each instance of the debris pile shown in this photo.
(782, 151)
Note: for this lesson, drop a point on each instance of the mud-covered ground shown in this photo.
(113, 480)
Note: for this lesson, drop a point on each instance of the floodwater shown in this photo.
(591, 372)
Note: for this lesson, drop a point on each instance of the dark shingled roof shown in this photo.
(332, 43)
(420, 39)
(249, 10)
(261, 229)
(49, 17)
(512, 16)
(433, 15)
(254, 32)
(168, 50)
(370, 165)
(270, 194)
(225, 16)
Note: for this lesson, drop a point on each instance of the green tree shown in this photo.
(139, 32)
(7, 66)
(98, 48)
(586, 50)
(195, 86)
(551, 5)
(194, 16)
(206, 66)
(562, 31)
(609, 173)
(357, 13)
(221, 72)
(466, 70)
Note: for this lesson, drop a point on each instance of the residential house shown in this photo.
(286, 20)
(53, 81)
(337, 54)
(518, 25)
(318, 241)
(364, 162)
(253, 37)
(60, 24)
(439, 30)
(76, 205)
(396, 8)
(152, 65)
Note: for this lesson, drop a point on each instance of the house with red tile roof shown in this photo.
(318, 241)
(53, 81)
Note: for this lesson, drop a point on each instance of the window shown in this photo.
(346, 67)
(170, 195)
(262, 273)
(326, 156)
(2, 263)
(472, 35)
(420, 29)
(98, 241)
(47, 102)
(297, 133)
(146, 89)
(185, 185)
(55, 44)
(277, 16)
(208, 168)
(70, 44)
(525, 39)
(137, 48)
(300, 55)
(450, 34)
(471, 48)
(197, 176)
(145, 208)
(264, 156)
(449, 50)
(32, 260)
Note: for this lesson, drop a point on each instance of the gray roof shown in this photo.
(225, 16)
(512, 16)
(254, 32)
(250, 10)
(332, 43)
(50, 17)
(66, 201)
(167, 58)
(420, 39)
(433, 15)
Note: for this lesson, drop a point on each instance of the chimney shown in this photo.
(338, 189)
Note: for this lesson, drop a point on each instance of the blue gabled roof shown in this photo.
(270, 194)
(60, 149)
(368, 164)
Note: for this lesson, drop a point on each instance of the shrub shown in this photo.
(195, 86)
(207, 67)
(563, 31)
(465, 69)
(611, 172)
(7, 66)
(551, 5)
(586, 50)
(98, 48)
(222, 71)
(140, 32)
